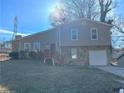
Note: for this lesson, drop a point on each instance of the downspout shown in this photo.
(19, 50)
(59, 36)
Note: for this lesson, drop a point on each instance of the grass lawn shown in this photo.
(24, 76)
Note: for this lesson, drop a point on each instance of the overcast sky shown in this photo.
(32, 15)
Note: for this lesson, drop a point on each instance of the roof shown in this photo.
(98, 22)
(86, 19)
(83, 19)
(37, 33)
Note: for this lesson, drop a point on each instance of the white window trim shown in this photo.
(37, 46)
(76, 55)
(27, 44)
(76, 34)
(91, 33)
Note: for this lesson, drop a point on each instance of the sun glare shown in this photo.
(55, 7)
(4, 89)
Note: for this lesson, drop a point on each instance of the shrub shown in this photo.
(40, 55)
(32, 55)
(23, 54)
(14, 55)
(36, 55)
(49, 61)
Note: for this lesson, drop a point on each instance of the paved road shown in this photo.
(115, 70)
(121, 62)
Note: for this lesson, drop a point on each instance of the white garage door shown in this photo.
(98, 57)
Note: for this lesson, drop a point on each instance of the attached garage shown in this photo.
(98, 57)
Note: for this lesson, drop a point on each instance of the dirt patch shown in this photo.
(4, 57)
(4, 89)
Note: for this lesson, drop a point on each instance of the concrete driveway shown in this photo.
(121, 62)
(114, 70)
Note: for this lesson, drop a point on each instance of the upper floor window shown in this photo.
(94, 34)
(36, 46)
(27, 46)
(74, 34)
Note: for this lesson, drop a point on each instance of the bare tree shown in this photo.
(119, 23)
(118, 30)
(76, 9)
(73, 9)
(58, 16)
(105, 7)
(91, 9)
(80, 8)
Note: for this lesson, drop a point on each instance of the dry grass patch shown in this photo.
(34, 77)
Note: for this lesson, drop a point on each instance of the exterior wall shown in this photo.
(61, 36)
(6, 47)
(15, 45)
(84, 34)
(83, 54)
(44, 38)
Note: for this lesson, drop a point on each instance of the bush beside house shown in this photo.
(14, 55)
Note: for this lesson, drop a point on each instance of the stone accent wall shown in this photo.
(83, 54)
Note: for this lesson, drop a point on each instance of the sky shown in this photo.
(33, 16)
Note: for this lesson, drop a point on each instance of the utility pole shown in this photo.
(15, 28)
(15, 22)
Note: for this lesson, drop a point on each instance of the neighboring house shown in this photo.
(6, 47)
(82, 42)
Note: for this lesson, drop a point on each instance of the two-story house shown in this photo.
(83, 42)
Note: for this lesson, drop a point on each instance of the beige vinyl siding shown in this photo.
(84, 34)
(61, 36)
(44, 38)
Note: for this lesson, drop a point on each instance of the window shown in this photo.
(94, 34)
(74, 34)
(74, 53)
(27, 46)
(36, 46)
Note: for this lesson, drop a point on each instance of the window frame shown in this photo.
(29, 46)
(77, 36)
(91, 33)
(74, 54)
(34, 46)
